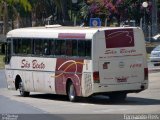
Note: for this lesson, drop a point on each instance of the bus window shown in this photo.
(74, 48)
(16, 46)
(8, 51)
(46, 47)
(26, 46)
(52, 47)
(81, 48)
(57, 47)
(39, 47)
(60, 47)
(69, 47)
(63, 47)
(88, 48)
(22, 46)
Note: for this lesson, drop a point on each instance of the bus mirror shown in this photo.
(6, 60)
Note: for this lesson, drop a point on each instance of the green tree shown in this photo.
(42, 9)
(12, 5)
(121, 10)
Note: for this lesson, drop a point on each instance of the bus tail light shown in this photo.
(96, 77)
(145, 73)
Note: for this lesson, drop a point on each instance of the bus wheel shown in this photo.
(71, 92)
(21, 90)
(118, 97)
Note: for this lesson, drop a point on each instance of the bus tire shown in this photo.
(71, 92)
(23, 93)
(118, 97)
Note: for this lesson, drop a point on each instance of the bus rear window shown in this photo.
(119, 38)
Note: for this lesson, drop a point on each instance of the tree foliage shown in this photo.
(120, 10)
(10, 9)
(63, 10)
(24, 3)
(42, 9)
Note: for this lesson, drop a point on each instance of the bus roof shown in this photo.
(57, 31)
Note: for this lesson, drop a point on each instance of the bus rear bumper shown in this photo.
(127, 88)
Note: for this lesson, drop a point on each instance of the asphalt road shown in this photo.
(49, 106)
(3, 83)
(8, 105)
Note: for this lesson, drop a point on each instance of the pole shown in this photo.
(149, 30)
(144, 18)
(145, 5)
(154, 17)
(75, 19)
(105, 22)
(141, 23)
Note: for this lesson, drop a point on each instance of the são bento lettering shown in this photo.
(34, 64)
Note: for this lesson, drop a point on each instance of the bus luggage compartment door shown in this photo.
(122, 71)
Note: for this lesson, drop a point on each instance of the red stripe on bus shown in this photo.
(68, 69)
(71, 36)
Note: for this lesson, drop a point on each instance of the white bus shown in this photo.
(77, 61)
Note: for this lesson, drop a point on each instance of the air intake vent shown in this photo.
(53, 26)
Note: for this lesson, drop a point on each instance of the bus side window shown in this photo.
(88, 48)
(26, 47)
(57, 47)
(60, 47)
(52, 47)
(8, 52)
(38, 47)
(16, 46)
(74, 48)
(81, 48)
(63, 47)
(46, 47)
(69, 47)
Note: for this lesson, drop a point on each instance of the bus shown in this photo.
(77, 61)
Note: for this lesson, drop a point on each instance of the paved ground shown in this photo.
(3, 83)
(7, 105)
(146, 102)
